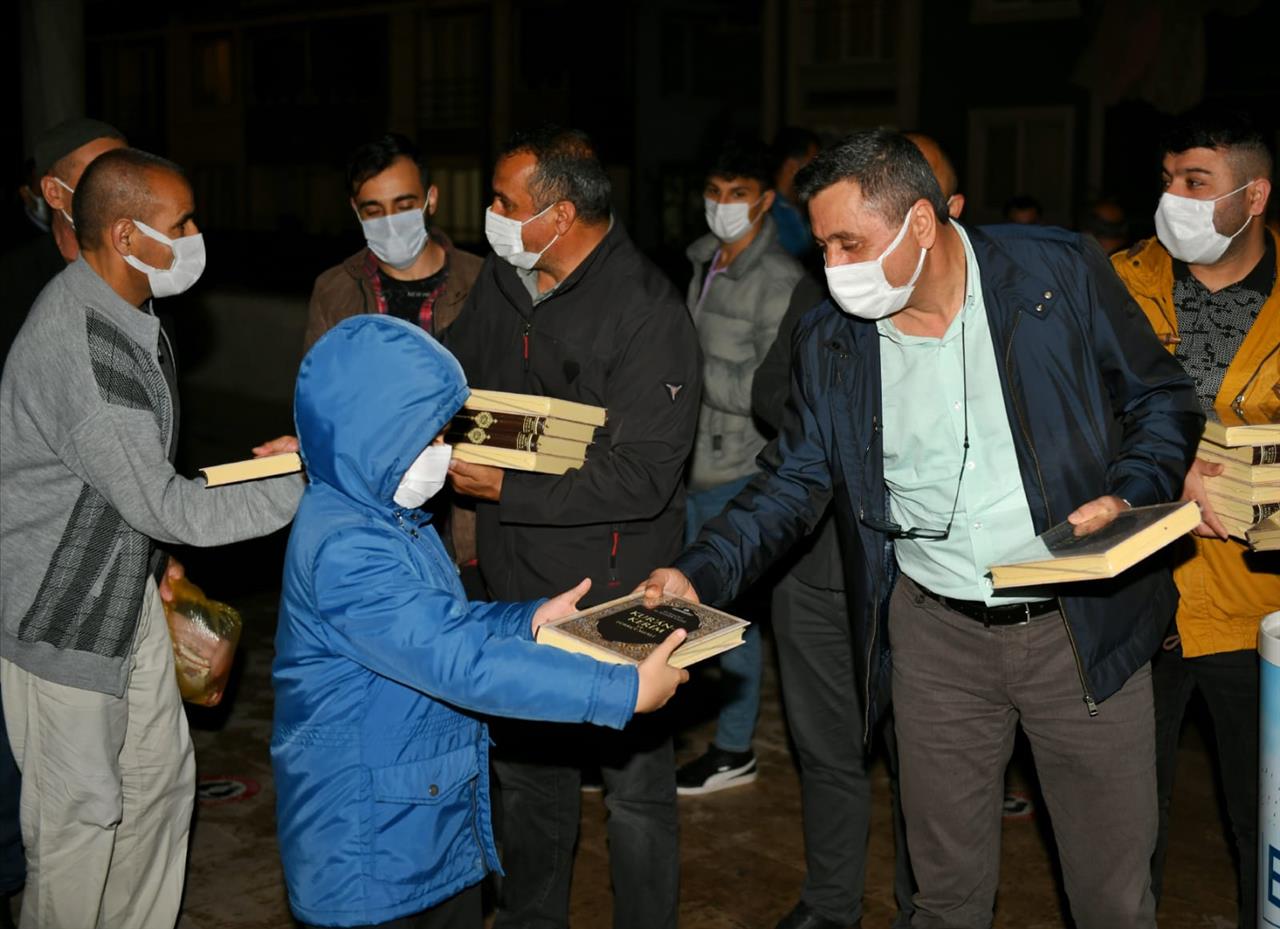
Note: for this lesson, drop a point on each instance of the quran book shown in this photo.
(251, 469)
(1237, 470)
(1265, 537)
(1241, 491)
(533, 405)
(625, 631)
(1238, 510)
(1264, 456)
(1060, 555)
(523, 441)
(509, 423)
(1228, 428)
(514, 459)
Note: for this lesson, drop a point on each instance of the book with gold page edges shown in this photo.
(625, 631)
(1062, 555)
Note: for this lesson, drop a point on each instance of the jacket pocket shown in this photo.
(423, 814)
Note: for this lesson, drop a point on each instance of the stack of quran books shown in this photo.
(1265, 537)
(1248, 489)
(524, 432)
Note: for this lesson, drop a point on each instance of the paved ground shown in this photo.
(742, 857)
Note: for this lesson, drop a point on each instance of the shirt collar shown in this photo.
(972, 283)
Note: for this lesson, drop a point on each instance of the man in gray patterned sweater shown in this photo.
(87, 412)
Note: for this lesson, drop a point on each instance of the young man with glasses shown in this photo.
(961, 392)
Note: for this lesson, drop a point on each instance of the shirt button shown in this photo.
(977, 525)
(1048, 294)
(433, 790)
(956, 406)
(971, 465)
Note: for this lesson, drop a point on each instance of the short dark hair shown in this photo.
(794, 142)
(742, 156)
(114, 186)
(890, 169)
(372, 158)
(1210, 126)
(567, 169)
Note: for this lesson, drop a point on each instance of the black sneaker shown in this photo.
(716, 770)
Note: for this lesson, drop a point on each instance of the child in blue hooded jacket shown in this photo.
(381, 765)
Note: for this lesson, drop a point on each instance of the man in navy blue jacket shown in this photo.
(962, 391)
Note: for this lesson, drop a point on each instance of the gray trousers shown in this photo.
(959, 691)
(108, 785)
(824, 713)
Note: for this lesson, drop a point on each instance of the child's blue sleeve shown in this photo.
(513, 619)
(378, 612)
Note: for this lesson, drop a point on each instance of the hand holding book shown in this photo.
(1193, 488)
(658, 680)
(1097, 514)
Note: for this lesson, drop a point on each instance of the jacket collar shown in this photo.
(139, 323)
(515, 291)
(1010, 283)
(704, 249)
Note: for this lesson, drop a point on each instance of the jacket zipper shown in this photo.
(1089, 702)
(875, 623)
(1237, 404)
(482, 853)
(615, 536)
(524, 345)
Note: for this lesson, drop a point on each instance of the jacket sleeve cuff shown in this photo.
(1136, 491)
(702, 575)
(614, 695)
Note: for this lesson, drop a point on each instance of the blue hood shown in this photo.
(371, 394)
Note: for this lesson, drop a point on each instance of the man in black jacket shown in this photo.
(961, 392)
(569, 308)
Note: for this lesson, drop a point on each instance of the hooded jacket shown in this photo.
(1094, 403)
(1224, 590)
(381, 768)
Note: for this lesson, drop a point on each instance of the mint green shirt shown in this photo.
(923, 413)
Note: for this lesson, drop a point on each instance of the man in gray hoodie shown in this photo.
(87, 487)
(742, 283)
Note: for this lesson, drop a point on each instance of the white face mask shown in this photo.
(1185, 227)
(862, 290)
(425, 478)
(506, 238)
(71, 190)
(729, 222)
(397, 239)
(188, 262)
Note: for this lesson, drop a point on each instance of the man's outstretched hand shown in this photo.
(666, 582)
(278, 446)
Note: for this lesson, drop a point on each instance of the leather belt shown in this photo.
(1009, 614)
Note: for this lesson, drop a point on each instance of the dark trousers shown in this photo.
(461, 911)
(1229, 683)
(13, 865)
(824, 713)
(538, 767)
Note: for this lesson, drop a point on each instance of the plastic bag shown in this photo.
(205, 634)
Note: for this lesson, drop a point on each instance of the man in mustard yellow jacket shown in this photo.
(1208, 285)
